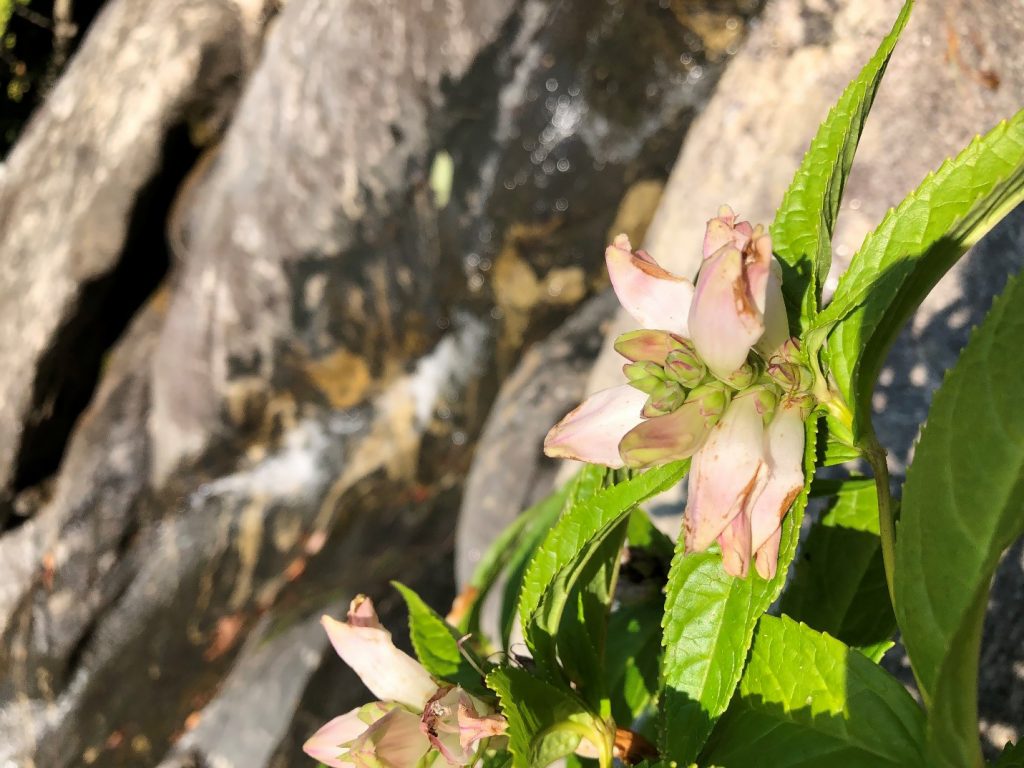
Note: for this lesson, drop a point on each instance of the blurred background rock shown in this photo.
(284, 286)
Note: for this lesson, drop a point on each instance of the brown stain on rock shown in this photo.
(342, 377)
(636, 211)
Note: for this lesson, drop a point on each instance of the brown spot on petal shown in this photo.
(646, 264)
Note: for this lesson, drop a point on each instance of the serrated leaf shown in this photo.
(588, 481)
(839, 581)
(904, 257)
(437, 644)
(708, 626)
(579, 523)
(808, 700)
(803, 226)
(567, 631)
(961, 509)
(544, 722)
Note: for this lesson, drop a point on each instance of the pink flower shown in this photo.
(412, 717)
(659, 301)
(742, 483)
(704, 375)
(725, 475)
(784, 453)
(456, 722)
(738, 299)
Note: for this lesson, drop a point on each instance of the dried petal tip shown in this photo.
(361, 613)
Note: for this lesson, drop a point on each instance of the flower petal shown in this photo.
(394, 741)
(674, 436)
(766, 558)
(326, 744)
(655, 297)
(390, 674)
(724, 320)
(726, 473)
(784, 448)
(776, 322)
(723, 230)
(593, 430)
(735, 544)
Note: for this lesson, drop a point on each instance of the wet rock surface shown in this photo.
(290, 417)
(957, 71)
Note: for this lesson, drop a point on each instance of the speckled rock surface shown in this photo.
(290, 417)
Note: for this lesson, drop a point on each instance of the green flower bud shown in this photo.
(665, 398)
(713, 399)
(644, 375)
(742, 377)
(686, 367)
(649, 345)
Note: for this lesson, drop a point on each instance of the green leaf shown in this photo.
(839, 581)
(643, 535)
(633, 658)
(961, 509)
(588, 481)
(808, 700)
(501, 758)
(803, 226)
(568, 629)
(437, 644)
(544, 722)
(903, 259)
(1012, 756)
(877, 651)
(582, 521)
(708, 626)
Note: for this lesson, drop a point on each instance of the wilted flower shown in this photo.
(414, 716)
(705, 374)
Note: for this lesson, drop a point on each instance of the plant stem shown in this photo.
(875, 454)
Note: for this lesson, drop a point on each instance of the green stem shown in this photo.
(875, 454)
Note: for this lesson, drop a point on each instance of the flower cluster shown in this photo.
(415, 723)
(713, 374)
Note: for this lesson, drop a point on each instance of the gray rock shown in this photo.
(80, 229)
(290, 418)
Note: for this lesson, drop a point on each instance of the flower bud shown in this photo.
(742, 377)
(711, 398)
(764, 401)
(786, 375)
(685, 367)
(649, 345)
(662, 439)
(665, 398)
(644, 375)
